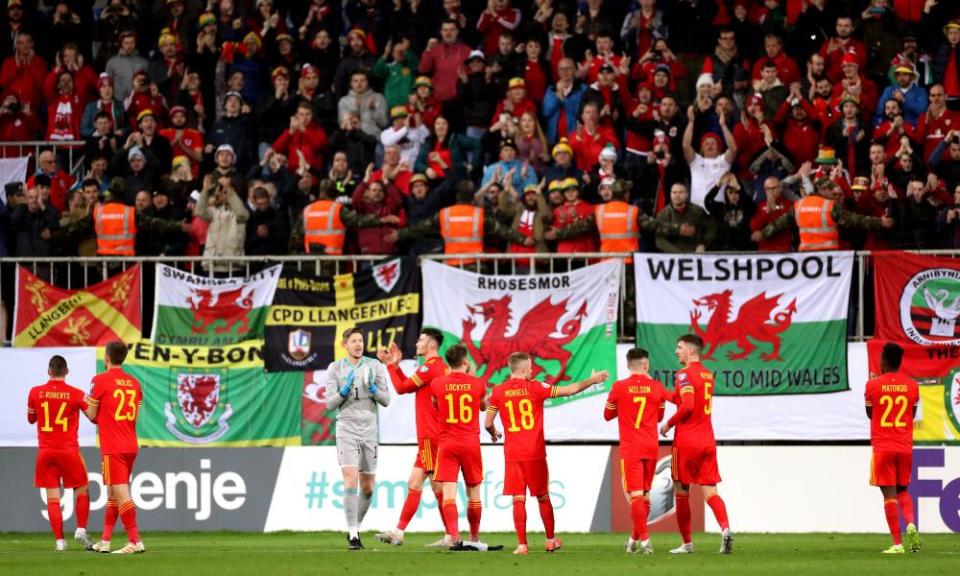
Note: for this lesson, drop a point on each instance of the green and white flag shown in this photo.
(191, 310)
(213, 396)
(770, 323)
(567, 322)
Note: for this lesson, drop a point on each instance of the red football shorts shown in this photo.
(455, 456)
(54, 465)
(426, 454)
(117, 468)
(695, 465)
(637, 474)
(521, 476)
(891, 468)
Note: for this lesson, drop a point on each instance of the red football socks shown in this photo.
(439, 496)
(520, 520)
(410, 506)
(893, 520)
(109, 520)
(128, 514)
(474, 509)
(638, 514)
(716, 504)
(546, 514)
(83, 510)
(906, 506)
(449, 511)
(683, 517)
(56, 517)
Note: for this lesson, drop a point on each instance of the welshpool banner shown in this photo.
(191, 310)
(918, 298)
(309, 314)
(566, 321)
(771, 323)
(213, 396)
(47, 315)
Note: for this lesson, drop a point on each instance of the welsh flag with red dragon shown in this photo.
(47, 315)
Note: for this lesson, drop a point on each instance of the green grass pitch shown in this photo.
(212, 554)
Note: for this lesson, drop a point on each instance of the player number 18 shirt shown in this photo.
(520, 405)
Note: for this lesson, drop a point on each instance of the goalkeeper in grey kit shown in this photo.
(354, 386)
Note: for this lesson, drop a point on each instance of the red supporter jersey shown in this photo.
(695, 431)
(638, 401)
(428, 425)
(119, 397)
(520, 404)
(459, 397)
(893, 397)
(57, 407)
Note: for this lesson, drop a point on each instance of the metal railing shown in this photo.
(79, 272)
(71, 150)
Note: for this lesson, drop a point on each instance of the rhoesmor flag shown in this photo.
(309, 314)
(193, 310)
(771, 323)
(566, 321)
(212, 396)
(47, 315)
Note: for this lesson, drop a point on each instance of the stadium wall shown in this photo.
(767, 489)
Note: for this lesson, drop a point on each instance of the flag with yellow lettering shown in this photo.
(47, 315)
(309, 313)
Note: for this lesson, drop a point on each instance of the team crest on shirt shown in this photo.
(930, 306)
(951, 399)
(424, 369)
(197, 412)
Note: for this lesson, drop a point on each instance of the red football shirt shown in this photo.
(638, 401)
(119, 397)
(57, 406)
(520, 404)
(893, 397)
(459, 397)
(428, 425)
(695, 431)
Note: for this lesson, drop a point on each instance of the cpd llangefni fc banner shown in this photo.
(212, 396)
(771, 323)
(191, 310)
(309, 314)
(47, 315)
(567, 321)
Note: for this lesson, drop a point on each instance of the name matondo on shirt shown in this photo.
(457, 387)
(639, 389)
(520, 392)
(893, 388)
(55, 395)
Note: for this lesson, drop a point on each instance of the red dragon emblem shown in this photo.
(533, 335)
(226, 310)
(751, 323)
(198, 396)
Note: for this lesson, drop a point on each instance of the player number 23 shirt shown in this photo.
(119, 397)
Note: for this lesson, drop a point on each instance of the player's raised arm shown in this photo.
(577, 387)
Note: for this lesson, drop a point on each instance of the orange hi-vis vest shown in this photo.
(116, 228)
(818, 230)
(322, 225)
(617, 224)
(461, 226)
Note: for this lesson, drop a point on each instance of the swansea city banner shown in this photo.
(567, 322)
(917, 298)
(191, 310)
(771, 323)
(47, 315)
(309, 314)
(213, 396)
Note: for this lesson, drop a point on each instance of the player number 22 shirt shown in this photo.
(520, 405)
(892, 397)
(119, 399)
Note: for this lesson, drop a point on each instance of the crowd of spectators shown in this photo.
(222, 122)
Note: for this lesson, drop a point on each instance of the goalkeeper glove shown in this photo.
(347, 383)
